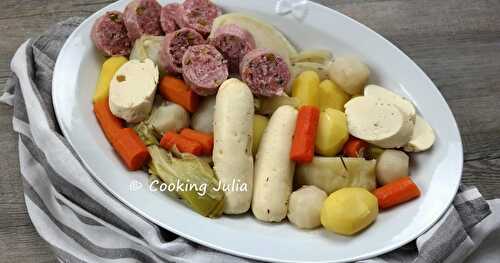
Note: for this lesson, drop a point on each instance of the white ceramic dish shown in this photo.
(437, 172)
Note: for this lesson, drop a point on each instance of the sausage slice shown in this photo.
(175, 45)
(198, 15)
(142, 17)
(110, 35)
(266, 73)
(204, 69)
(234, 43)
(168, 16)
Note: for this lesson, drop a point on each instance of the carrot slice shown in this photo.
(175, 90)
(131, 149)
(305, 134)
(396, 192)
(109, 123)
(183, 144)
(354, 147)
(205, 139)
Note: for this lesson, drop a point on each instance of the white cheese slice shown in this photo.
(423, 136)
(132, 90)
(404, 105)
(376, 122)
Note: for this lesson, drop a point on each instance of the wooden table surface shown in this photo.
(456, 42)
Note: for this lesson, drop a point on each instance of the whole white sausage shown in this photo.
(232, 155)
(273, 167)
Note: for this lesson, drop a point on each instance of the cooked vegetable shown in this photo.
(110, 66)
(147, 133)
(273, 167)
(189, 170)
(232, 155)
(147, 47)
(397, 192)
(355, 147)
(305, 205)
(320, 69)
(175, 90)
(203, 118)
(332, 132)
(391, 166)
(306, 87)
(259, 125)
(183, 144)
(321, 56)
(131, 149)
(373, 152)
(132, 90)
(266, 106)
(349, 210)
(304, 136)
(350, 73)
(333, 173)
(205, 139)
(168, 116)
(110, 124)
(265, 35)
(331, 96)
(422, 138)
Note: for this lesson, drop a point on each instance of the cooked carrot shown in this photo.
(110, 124)
(396, 192)
(130, 148)
(175, 90)
(183, 144)
(354, 147)
(305, 134)
(205, 139)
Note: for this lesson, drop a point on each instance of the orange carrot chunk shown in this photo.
(396, 192)
(183, 144)
(205, 139)
(110, 124)
(355, 147)
(305, 134)
(175, 90)
(131, 149)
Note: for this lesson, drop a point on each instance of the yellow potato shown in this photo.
(259, 125)
(331, 96)
(332, 132)
(109, 67)
(349, 210)
(306, 87)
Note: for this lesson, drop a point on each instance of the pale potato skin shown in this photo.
(350, 73)
(203, 118)
(391, 166)
(273, 168)
(305, 206)
(233, 135)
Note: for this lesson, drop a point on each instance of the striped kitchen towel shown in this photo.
(83, 223)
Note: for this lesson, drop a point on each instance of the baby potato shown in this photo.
(332, 132)
(305, 88)
(350, 73)
(349, 210)
(331, 96)
(259, 125)
(304, 207)
(392, 165)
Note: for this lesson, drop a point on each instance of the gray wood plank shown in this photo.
(456, 42)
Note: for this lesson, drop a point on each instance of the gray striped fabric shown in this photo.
(83, 223)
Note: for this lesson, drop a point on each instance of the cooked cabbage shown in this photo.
(334, 173)
(147, 47)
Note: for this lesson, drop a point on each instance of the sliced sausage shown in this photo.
(198, 15)
(142, 17)
(234, 43)
(175, 45)
(204, 69)
(168, 16)
(266, 73)
(110, 35)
